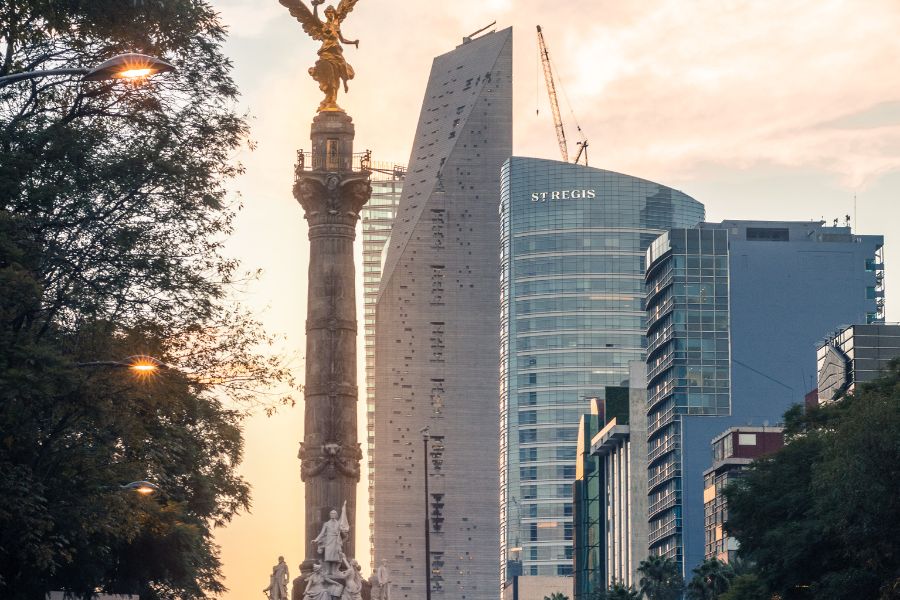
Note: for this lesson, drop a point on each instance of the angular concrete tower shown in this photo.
(437, 335)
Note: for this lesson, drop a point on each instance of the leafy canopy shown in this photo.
(821, 518)
(113, 215)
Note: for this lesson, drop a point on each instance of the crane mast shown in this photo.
(551, 90)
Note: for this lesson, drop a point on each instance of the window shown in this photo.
(746, 439)
(768, 234)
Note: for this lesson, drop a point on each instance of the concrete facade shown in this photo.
(436, 341)
(637, 492)
(537, 587)
(610, 491)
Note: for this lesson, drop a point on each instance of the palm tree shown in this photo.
(711, 579)
(556, 596)
(617, 591)
(660, 579)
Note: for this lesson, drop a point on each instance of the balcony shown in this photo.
(661, 394)
(663, 504)
(669, 445)
(662, 420)
(662, 477)
(661, 284)
(667, 529)
(663, 337)
(657, 370)
(360, 162)
(659, 312)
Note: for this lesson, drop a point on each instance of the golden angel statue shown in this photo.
(331, 70)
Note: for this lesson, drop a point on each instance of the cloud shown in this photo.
(740, 83)
(248, 18)
(883, 114)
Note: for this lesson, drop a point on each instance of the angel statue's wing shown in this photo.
(311, 24)
(344, 7)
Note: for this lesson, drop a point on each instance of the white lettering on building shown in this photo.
(563, 195)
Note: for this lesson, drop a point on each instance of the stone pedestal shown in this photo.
(332, 195)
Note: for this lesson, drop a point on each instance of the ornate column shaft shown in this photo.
(332, 195)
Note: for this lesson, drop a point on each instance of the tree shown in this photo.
(618, 591)
(660, 579)
(711, 579)
(556, 596)
(113, 212)
(821, 518)
(746, 587)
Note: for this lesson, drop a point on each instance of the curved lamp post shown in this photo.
(130, 66)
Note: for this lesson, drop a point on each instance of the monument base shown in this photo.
(299, 588)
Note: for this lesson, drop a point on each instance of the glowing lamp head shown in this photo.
(130, 67)
(144, 365)
(135, 73)
(144, 488)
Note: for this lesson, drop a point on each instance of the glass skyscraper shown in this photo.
(734, 311)
(687, 361)
(573, 242)
(377, 220)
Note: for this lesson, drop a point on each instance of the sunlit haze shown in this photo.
(786, 110)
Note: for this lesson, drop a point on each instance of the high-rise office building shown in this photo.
(436, 336)
(377, 219)
(854, 355)
(732, 451)
(572, 290)
(610, 490)
(733, 309)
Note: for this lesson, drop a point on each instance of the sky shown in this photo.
(763, 109)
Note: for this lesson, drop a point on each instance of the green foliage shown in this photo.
(556, 596)
(660, 579)
(821, 518)
(113, 213)
(746, 587)
(617, 591)
(711, 579)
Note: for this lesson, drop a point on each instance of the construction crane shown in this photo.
(554, 106)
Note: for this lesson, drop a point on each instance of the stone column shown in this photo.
(332, 195)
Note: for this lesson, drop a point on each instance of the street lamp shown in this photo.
(144, 488)
(129, 67)
(436, 518)
(425, 438)
(139, 363)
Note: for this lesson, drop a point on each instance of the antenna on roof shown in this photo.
(471, 36)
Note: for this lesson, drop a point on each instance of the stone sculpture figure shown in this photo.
(332, 69)
(374, 586)
(318, 585)
(330, 541)
(352, 579)
(278, 581)
(383, 576)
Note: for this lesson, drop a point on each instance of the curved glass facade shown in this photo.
(573, 243)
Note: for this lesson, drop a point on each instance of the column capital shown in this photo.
(332, 198)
